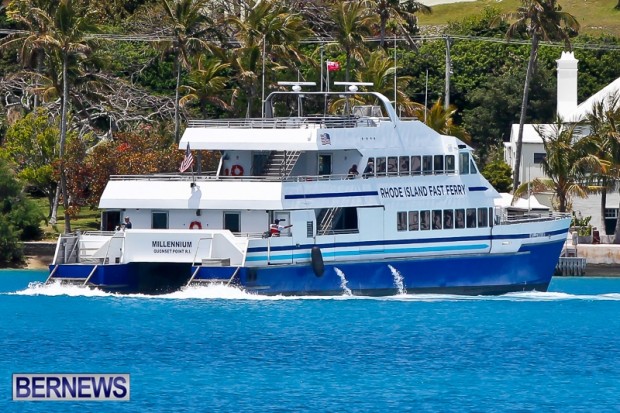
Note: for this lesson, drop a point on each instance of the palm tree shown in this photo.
(540, 20)
(566, 164)
(68, 26)
(206, 85)
(188, 22)
(30, 13)
(266, 34)
(604, 123)
(353, 20)
(441, 120)
(401, 12)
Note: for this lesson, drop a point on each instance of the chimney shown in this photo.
(567, 85)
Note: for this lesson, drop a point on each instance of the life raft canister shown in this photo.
(236, 170)
(195, 225)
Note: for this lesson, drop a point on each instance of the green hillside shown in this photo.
(595, 16)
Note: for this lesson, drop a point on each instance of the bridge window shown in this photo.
(416, 165)
(464, 163)
(381, 166)
(427, 164)
(404, 165)
(438, 164)
(449, 164)
(392, 165)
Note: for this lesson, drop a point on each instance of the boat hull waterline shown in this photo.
(530, 269)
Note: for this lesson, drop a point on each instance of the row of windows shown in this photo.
(443, 219)
(418, 165)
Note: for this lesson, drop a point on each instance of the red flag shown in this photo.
(188, 161)
(333, 66)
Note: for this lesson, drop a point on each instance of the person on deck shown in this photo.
(353, 173)
(369, 170)
(276, 229)
(127, 224)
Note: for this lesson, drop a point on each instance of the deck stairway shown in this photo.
(327, 220)
(281, 163)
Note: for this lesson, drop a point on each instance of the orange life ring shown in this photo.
(195, 224)
(236, 170)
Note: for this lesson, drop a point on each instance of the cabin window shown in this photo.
(413, 221)
(437, 219)
(416, 165)
(159, 220)
(449, 164)
(438, 164)
(464, 163)
(404, 165)
(448, 219)
(381, 166)
(401, 221)
(427, 164)
(232, 221)
(483, 217)
(425, 220)
(325, 164)
(471, 217)
(392, 165)
(539, 157)
(459, 221)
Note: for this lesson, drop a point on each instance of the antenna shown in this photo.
(296, 86)
(353, 86)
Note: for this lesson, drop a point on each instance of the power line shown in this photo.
(146, 37)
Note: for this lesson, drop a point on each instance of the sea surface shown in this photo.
(217, 349)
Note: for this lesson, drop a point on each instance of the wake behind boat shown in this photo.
(363, 203)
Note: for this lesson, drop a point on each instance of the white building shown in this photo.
(533, 151)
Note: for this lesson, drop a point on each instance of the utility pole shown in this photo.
(446, 101)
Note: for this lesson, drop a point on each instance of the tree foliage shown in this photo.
(19, 217)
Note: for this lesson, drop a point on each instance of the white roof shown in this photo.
(249, 139)
(157, 194)
(530, 135)
(521, 203)
(586, 106)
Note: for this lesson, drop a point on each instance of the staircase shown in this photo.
(327, 220)
(281, 163)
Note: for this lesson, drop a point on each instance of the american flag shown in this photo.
(188, 161)
(325, 139)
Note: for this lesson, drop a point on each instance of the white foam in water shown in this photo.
(398, 280)
(343, 282)
(56, 288)
(222, 291)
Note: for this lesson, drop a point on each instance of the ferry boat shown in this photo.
(417, 217)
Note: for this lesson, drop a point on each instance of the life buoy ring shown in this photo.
(236, 170)
(195, 225)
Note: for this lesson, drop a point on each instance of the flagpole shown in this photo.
(322, 80)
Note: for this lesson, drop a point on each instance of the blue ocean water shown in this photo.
(217, 349)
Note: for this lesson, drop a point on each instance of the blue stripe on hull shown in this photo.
(530, 269)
